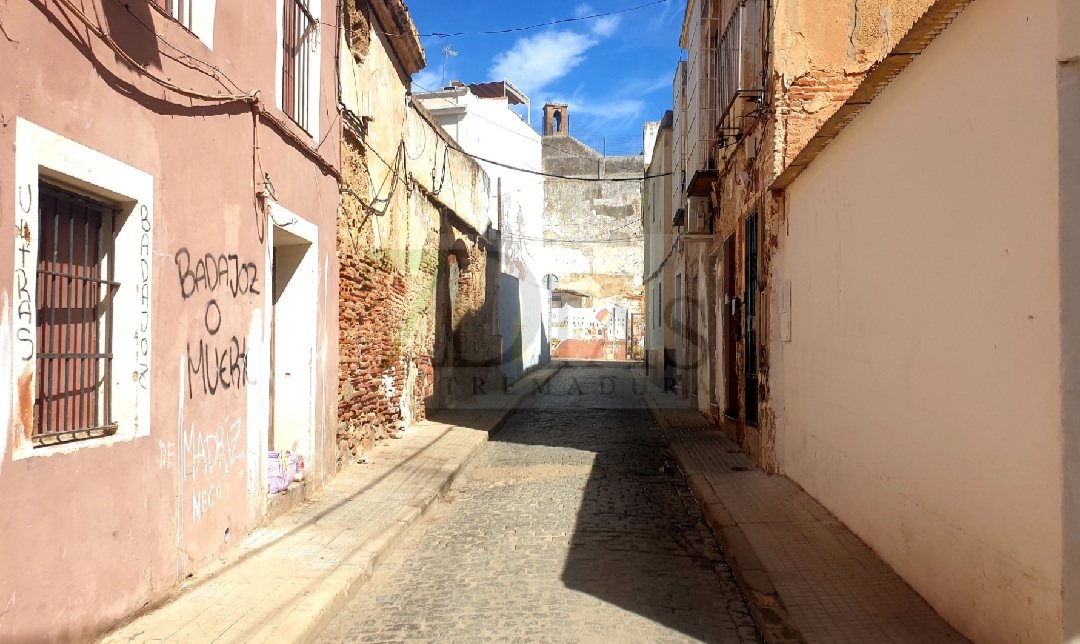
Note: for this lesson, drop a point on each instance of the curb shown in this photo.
(315, 612)
(766, 605)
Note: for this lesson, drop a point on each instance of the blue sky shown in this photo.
(615, 72)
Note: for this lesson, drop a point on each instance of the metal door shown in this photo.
(751, 248)
(731, 321)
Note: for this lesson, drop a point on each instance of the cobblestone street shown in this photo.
(573, 524)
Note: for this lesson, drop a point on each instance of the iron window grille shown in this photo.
(298, 42)
(180, 10)
(75, 288)
(741, 63)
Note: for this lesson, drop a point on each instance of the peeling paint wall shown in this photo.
(818, 54)
(418, 293)
(592, 230)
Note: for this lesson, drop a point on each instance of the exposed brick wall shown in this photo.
(810, 100)
(386, 338)
(415, 335)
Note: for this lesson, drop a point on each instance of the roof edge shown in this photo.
(925, 30)
(684, 35)
(401, 33)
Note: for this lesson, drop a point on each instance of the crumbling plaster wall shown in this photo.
(417, 297)
(577, 212)
(819, 53)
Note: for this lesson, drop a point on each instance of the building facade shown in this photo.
(592, 218)
(870, 295)
(660, 263)
(419, 257)
(160, 296)
(921, 372)
(759, 81)
(481, 120)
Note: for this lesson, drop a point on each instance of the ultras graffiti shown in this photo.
(24, 319)
(218, 360)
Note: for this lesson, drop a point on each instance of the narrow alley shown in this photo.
(573, 524)
(625, 320)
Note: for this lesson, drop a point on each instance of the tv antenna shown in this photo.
(446, 53)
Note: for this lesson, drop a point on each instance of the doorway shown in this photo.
(731, 383)
(693, 337)
(751, 323)
(294, 302)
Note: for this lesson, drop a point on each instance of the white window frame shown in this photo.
(309, 121)
(195, 15)
(41, 154)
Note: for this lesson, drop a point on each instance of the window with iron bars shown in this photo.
(741, 63)
(298, 44)
(180, 10)
(75, 288)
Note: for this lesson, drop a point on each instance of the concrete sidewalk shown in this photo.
(807, 577)
(286, 581)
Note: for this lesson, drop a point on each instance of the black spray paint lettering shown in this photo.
(218, 368)
(219, 364)
(211, 271)
(25, 307)
(25, 315)
(144, 298)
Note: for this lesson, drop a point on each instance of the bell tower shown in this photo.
(556, 119)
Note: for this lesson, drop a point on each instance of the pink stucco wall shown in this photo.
(90, 535)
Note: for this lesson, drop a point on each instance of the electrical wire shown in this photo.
(215, 70)
(664, 261)
(526, 238)
(509, 30)
(249, 97)
(501, 126)
(453, 144)
(252, 98)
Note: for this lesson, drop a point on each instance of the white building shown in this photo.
(481, 118)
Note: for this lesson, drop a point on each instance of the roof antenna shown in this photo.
(446, 53)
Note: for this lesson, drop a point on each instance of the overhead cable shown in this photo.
(454, 144)
(509, 30)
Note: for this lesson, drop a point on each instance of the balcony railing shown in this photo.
(741, 62)
(703, 164)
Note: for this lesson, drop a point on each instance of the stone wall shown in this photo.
(592, 229)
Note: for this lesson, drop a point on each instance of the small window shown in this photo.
(558, 121)
(75, 288)
(299, 53)
(180, 10)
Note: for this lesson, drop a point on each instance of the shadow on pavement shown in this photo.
(640, 541)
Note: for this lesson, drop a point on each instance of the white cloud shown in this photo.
(535, 61)
(583, 10)
(605, 27)
(646, 86)
(600, 27)
(427, 79)
(608, 110)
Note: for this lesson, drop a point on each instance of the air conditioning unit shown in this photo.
(751, 145)
(697, 217)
